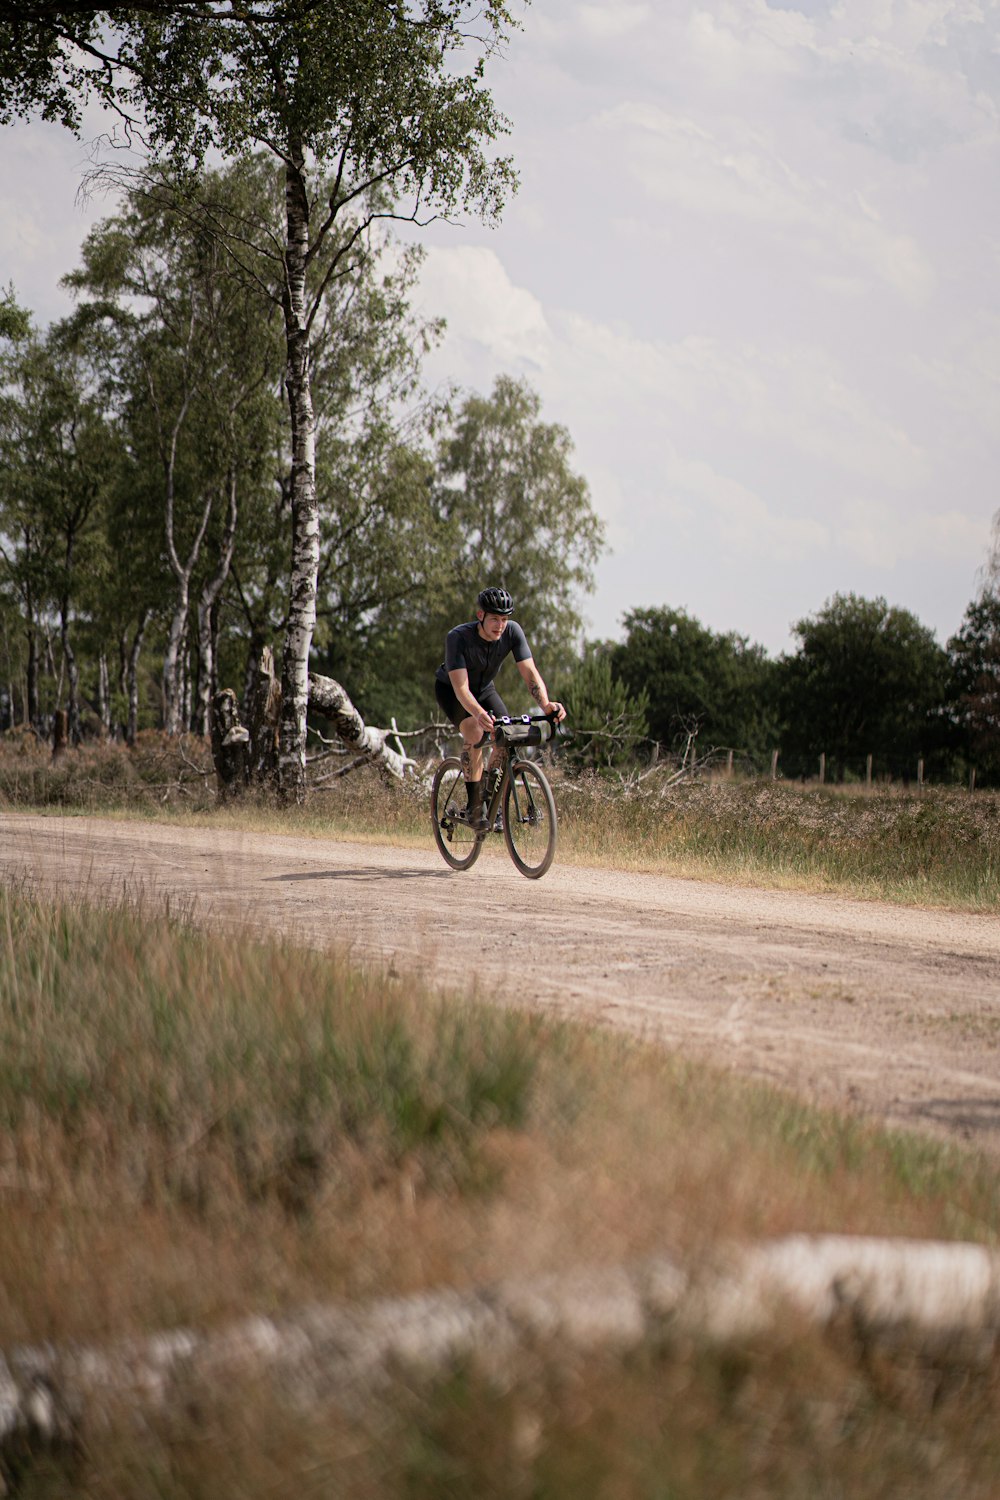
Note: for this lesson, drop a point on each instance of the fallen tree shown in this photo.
(245, 748)
(936, 1300)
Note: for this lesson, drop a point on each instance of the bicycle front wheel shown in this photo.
(529, 819)
(455, 839)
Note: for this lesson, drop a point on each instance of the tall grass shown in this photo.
(935, 846)
(164, 1097)
(792, 1417)
(192, 1129)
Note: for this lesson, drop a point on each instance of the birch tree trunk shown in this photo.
(173, 708)
(104, 694)
(305, 513)
(209, 594)
(73, 680)
(173, 687)
(131, 684)
(174, 714)
(31, 701)
(72, 670)
(247, 754)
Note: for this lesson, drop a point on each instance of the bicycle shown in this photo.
(517, 800)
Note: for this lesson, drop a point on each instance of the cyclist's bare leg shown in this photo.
(472, 755)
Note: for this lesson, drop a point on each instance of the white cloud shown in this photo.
(614, 19)
(681, 418)
(470, 288)
(735, 173)
(741, 521)
(44, 214)
(792, 399)
(882, 538)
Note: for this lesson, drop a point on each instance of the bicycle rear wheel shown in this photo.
(529, 819)
(457, 842)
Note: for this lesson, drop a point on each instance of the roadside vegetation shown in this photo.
(933, 846)
(195, 1127)
(799, 1417)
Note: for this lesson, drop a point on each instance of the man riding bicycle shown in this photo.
(465, 689)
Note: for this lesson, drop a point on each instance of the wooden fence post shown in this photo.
(774, 765)
(868, 771)
(822, 767)
(729, 763)
(972, 779)
(920, 772)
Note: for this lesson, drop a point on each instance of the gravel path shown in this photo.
(889, 1011)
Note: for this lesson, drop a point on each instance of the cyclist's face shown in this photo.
(492, 626)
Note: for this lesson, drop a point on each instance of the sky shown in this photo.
(753, 267)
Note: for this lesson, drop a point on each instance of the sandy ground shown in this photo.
(889, 1012)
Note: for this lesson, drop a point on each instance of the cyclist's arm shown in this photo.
(538, 690)
(459, 680)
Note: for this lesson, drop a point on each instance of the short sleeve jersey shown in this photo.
(465, 647)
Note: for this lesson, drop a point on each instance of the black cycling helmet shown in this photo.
(495, 602)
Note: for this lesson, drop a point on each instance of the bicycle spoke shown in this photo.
(455, 839)
(529, 819)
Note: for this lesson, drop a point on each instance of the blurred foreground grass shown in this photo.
(938, 846)
(793, 1419)
(194, 1128)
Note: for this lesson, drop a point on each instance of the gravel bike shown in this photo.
(517, 800)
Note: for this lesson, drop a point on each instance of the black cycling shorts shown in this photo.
(447, 698)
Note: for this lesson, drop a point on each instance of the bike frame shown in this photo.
(521, 791)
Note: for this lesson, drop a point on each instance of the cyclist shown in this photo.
(465, 689)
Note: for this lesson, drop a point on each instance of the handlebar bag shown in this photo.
(523, 730)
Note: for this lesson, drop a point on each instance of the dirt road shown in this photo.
(890, 1012)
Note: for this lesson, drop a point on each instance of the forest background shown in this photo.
(144, 545)
(195, 441)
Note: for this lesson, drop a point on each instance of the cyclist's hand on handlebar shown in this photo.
(485, 720)
(556, 709)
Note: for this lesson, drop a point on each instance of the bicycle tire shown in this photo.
(529, 819)
(456, 841)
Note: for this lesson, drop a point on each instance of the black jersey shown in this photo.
(465, 647)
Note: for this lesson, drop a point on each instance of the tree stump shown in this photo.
(230, 746)
(265, 723)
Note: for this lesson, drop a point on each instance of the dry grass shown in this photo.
(798, 1418)
(193, 1128)
(936, 846)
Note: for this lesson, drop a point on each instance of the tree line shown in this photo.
(867, 687)
(146, 482)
